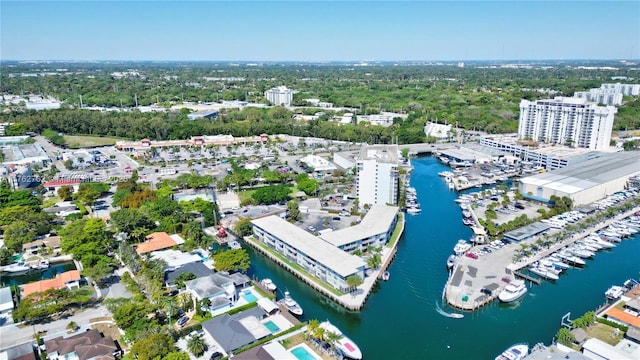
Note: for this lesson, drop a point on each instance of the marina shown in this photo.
(415, 291)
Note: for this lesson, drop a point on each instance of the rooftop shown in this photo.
(156, 241)
(324, 253)
(377, 221)
(380, 153)
(58, 282)
(587, 174)
(229, 332)
(527, 231)
(87, 345)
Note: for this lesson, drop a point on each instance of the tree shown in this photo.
(405, 152)
(271, 194)
(244, 227)
(176, 355)
(353, 281)
(196, 345)
(68, 164)
(65, 193)
(374, 261)
(293, 210)
(565, 337)
(308, 185)
(232, 260)
(180, 279)
(155, 346)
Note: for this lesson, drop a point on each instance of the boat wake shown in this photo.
(451, 315)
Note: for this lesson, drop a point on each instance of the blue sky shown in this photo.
(318, 30)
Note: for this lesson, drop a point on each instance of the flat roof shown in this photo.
(527, 231)
(381, 153)
(464, 154)
(321, 251)
(377, 221)
(587, 174)
(6, 300)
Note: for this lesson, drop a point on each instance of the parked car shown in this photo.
(183, 320)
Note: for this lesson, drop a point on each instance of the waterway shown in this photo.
(401, 318)
(36, 275)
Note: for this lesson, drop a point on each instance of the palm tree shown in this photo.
(312, 327)
(332, 338)
(196, 345)
(185, 300)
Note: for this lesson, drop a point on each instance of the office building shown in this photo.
(377, 179)
(279, 96)
(568, 121)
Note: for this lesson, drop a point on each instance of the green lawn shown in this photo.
(396, 232)
(81, 141)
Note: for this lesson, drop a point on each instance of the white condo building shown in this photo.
(568, 121)
(279, 96)
(377, 180)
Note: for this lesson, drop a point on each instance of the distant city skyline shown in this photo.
(315, 31)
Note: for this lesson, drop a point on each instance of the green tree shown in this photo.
(196, 345)
(353, 281)
(65, 193)
(565, 337)
(308, 185)
(244, 227)
(374, 261)
(176, 355)
(293, 210)
(155, 346)
(232, 260)
(271, 194)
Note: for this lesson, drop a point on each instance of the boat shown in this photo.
(343, 344)
(571, 259)
(461, 247)
(17, 268)
(234, 245)
(544, 272)
(291, 305)
(268, 284)
(615, 292)
(451, 261)
(466, 213)
(514, 291)
(515, 352)
(40, 265)
(413, 210)
(385, 276)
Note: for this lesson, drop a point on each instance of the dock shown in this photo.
(466, 288)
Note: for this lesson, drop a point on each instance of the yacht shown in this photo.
(615, 292)
(572, 259)
(268, 284)
(291, 304)
(451, 261)
(466, 213)
(461, 247)
(345, 345)
(515, 352)
(558, 263)
(40, 265)
(413, 210)
(17, 268)
(544, 272)
(514, 290)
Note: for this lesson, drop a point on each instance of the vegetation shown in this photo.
(243, 227)
(271, 194)
(232, 260)
(43, 305)
(565, 337)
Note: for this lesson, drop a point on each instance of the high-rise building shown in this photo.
(279, 96)
(377, 180)
(567, 121)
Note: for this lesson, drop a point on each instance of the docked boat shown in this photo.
(451, 261)
(571, 259)
(291, 305)
(466, 213)
(17, 268)
(515, 352)
(461, 247)
(558, 263)
(514, 291)
(413, 210)
(345, 345)
(615, 292)
(386, 275)
(40, 265)
(268, 284)
(544, 272)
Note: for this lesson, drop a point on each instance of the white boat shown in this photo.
(461, 247)
(558, 263)
(40, 265)
(451, 261)
(268, 284)
(386, 275)
(571, 259)
(615, 292)
(544, 272)
(345, 345)
(17, 268)
(291, 305)
(515, 352)
(413, 210)
(466, 213)
(514, 290)
(452, 186)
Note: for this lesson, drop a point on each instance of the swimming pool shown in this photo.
(302, 354)
(248, 296)
(272, 326)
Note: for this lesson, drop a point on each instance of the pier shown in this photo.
(353, 301)
(476, 282)
(535, 280)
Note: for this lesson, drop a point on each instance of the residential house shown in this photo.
(89, 345)
(68, 279)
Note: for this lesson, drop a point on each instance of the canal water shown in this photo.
(401, 318)
(36, 275)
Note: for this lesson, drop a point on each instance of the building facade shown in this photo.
(568, 121)
(279, 96)
(377, 177)
(319, 258)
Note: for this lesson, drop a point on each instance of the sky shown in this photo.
(319, 30)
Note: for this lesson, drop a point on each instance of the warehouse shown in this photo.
(585, 182)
